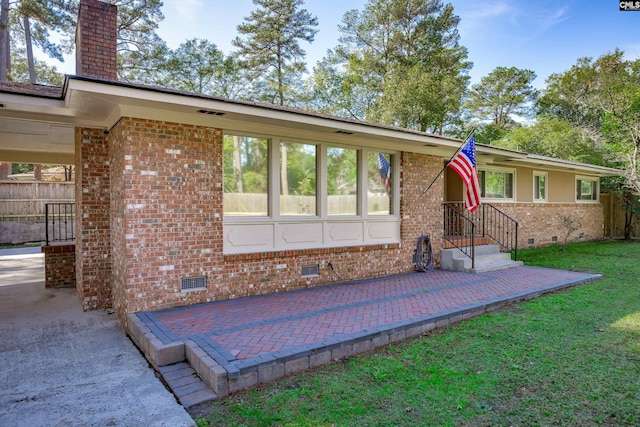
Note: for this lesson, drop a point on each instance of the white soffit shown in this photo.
(40, 141)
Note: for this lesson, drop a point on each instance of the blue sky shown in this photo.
(545, 36)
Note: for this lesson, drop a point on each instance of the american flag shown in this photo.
(385, 171)
(464, 163)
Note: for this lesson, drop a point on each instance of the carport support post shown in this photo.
(93, 228)
(96, 46)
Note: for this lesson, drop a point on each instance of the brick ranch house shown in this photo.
(159, 205)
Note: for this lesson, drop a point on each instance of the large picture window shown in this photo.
(342, 181)
(246, 176)
(285, 194)
(297, 179)
(379, 183)
(586, 189)
(496, 184)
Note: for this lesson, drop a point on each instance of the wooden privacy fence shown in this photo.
(27, 200)
(614, 217)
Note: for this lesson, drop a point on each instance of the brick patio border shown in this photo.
(219, 369)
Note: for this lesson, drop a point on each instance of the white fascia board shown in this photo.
(149, 102)
(25, 106)
(513, 158)
(140, 99)
(573, 166)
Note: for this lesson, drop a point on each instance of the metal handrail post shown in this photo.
(46, 224)
(515, 253)
(484, 219)
(473, 245)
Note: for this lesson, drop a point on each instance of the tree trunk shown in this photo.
(4, 40)
(237, 167)
(5, 171)
(68, 172)
(280, 82)
(27, 37)
(283, 170)
(629, 205)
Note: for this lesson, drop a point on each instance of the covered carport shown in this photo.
(63, 366)
(34, 129)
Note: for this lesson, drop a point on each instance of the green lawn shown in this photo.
(569, 359)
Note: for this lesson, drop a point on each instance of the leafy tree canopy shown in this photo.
(503, 93)
(25, 23)
(47, 75)
(553, 137)
(402, 60)
(602, 98)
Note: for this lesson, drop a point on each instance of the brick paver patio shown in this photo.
(243, 333)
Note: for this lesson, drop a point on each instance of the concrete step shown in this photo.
(186, 385)
(493, 267)
(487, 258)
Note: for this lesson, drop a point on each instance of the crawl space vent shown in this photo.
(309, 270)
(192, 283)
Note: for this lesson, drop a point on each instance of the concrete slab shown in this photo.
(27, 250)
(23, 265)
(62, 366)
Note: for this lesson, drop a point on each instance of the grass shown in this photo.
(571, 358)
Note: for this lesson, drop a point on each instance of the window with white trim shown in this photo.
(298, 185)
(282, 193)
(497, 183)
(246, 175)
(251, 175)
(342, 181)
(586, 189)
(379, 183)
(540, 186)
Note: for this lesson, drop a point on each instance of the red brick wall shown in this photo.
(96, 40)
(151, 214)
(59, 266)
(167, 209)
(421, 211)
(168, 221)
(264, 273)
(93, 262)
(542, 221)
(117, 142)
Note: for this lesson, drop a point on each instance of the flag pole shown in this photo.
(449, 161)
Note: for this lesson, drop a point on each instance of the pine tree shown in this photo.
(503, 93)
(271, 47)
(28, 23)
(403, 60)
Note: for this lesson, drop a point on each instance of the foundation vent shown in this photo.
(310, 270)
(193, 283)
(554, 238)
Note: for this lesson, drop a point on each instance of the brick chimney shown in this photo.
(96, 40)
